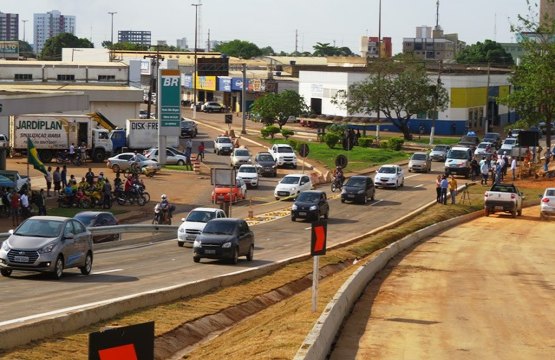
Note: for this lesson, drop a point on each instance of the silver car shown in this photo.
(123, 161)
(439, 152)
(420, 161)
(47, 244)
(172, 157)
(547, 203)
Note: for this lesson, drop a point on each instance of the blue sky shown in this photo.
(273, 23)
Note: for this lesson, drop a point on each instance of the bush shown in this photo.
(365, 142)
(331, 139)
(395, 144)
(286, 133)
(384, 144)
(269, 131)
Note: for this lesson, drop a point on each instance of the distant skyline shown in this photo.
(273, 23)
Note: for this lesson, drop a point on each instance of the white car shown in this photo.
(284, 155)
(223, 145)
(240, 156)
(292, 185)
(484, 148)
(172, 157)
(249, 174)
(508, 145)
(194, 223)
(389, 176)
(547, 203)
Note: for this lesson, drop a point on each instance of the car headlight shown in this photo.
(294, 207)
(5, 246)
(360, 192)
(313, 207)
(343, 191)
(181, 230)
(226, 245)
(196, 243)
(46, 249)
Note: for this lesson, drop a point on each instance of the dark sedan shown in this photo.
(265, 164)
(98, 218)
(188, 129)
(310, 204)
(358, 189)
(224, 239)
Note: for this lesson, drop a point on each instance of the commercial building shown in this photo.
(49, 25)
(433, 44)
(369, 47)
(135, 37)
(182, 44)
(9, 27)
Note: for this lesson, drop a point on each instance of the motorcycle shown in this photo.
(63, 158)
(136, 195)
(163, 216)
(337, 184)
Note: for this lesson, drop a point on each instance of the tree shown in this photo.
(279, 107)
(53, 46)
(25, 49)
(126, 46)
(398, 90)
(488, 52)
(267, 51)
(533, 97)
(239, 48)
(325, 49)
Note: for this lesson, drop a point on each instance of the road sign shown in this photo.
(341, 161)
(228, 118)
(318, 239)
(127, 342)
(304, 150)
(169, 98)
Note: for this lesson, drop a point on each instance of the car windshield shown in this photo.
(187, 124)
(419, 157)
(284, 149)
(40, 228)
(290, 180)
(509, 142)
(85, 219)
(201, 216)
(483, 145)
(242, 153)
(219, 228)
(491, 136)
(387, 170)
(248, 169)
(356, 182)
(265, 158)
(458, 154)
(440, 148)
(308, 197)
(224, 140)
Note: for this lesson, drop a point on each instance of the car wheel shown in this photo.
(365, 200)
(486, 211)
(326, 215)
(180, 162)
(293, 218)
(250, 254)
(180, 244)
(196, 259)
(235, 258)
(6, 272)
(342, 200)
(58, 268)
(513, 213)
(87, 268)
(519, 212)
(372, 197)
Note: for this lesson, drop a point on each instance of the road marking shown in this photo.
(377, 202)
(413, 175)
(308, 228)
(419, 185)
(106, 271)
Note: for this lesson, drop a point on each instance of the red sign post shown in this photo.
(317, 248)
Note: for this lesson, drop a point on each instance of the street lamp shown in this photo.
(195, 68)
(379, 69)
(24, 23)
(112, 28)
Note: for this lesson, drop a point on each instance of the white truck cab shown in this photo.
(284, 155)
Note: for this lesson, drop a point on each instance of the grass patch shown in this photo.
(177, 168)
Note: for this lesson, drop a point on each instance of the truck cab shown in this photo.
(119, 140)
(102, 145)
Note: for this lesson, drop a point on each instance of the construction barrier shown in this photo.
(196, 166)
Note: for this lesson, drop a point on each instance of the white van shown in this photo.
(458, 161)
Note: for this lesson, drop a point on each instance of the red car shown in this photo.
(222, 192)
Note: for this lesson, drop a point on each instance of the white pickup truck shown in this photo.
(283, 155)
(505, 197)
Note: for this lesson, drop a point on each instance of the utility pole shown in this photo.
(195, 68)
(244, 100)
(154, 64)
(24, 22)
(436, 98)
(296, 41)
(379, 69)
(112, 36)
(208, 41)
(486, 122)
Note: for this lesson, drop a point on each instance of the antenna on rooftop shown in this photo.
(437, 14)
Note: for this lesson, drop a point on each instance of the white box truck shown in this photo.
(140, 134)
(52, 133)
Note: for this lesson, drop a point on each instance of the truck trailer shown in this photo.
(140, 134)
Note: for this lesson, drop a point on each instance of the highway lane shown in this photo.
(123, 271)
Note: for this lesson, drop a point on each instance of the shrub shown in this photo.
(384, 144)
(365, 142)
(286, 133)
(331, 139)
(338, 129)
(270, 131)
(395, 144)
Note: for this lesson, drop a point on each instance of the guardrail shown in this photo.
(121, 229)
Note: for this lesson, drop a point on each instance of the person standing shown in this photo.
(453, 188)
(14, 207)
(41, 202)
(444, 186)
(513, 167)
(484, 170)
(57, 177)
(438, 189)
(107, 190)
(25, 206)
(72, 152)
(498, 173)
(48, 178)
(189, 146)
(63, 176)
(89, 176)
(546, 162)
(201, 151)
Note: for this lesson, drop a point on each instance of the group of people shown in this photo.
(446, 186)
(495, 168)
(18, 203)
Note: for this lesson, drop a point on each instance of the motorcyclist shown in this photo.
(163, 209)
(338, 175)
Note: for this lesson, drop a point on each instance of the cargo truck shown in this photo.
(54, 133)
(140, 134)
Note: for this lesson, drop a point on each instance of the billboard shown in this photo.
(213, 66)
(9, 49)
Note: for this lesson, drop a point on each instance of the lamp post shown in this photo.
(112, 28)
(195, 68)
(24, 23)
(379, 58)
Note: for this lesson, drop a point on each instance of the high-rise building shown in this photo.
(423, 32)
(369, 47)
(49, 25)
(182, 44)
(9, 27)
(547, 12)
(134, 37)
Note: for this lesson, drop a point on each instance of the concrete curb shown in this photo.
(318, 342)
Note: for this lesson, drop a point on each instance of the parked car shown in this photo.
(224, 239)
(358, 188)
(194, 223)
(240, 156)
(223, 193)
(98, 218)
(439, 152)
(494, 138)
(212, 106)
(292, 185)
(469, 141)
(389, 176)
(188, 128)
(248, 174)
(310, 204)
(513, 133)
(223, 145)
(47, 244)
(508, 144)
(484, 149)
(265, 164)
(284, 155)
(172, 157)
(420, 161)
(547, 203)
(123, 161)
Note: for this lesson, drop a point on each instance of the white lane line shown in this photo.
(106, 271)
(377, 202)
(308, 228)
(411, 176)
(419, 185)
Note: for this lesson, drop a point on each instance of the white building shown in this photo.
(182, 44)
(49, 25)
